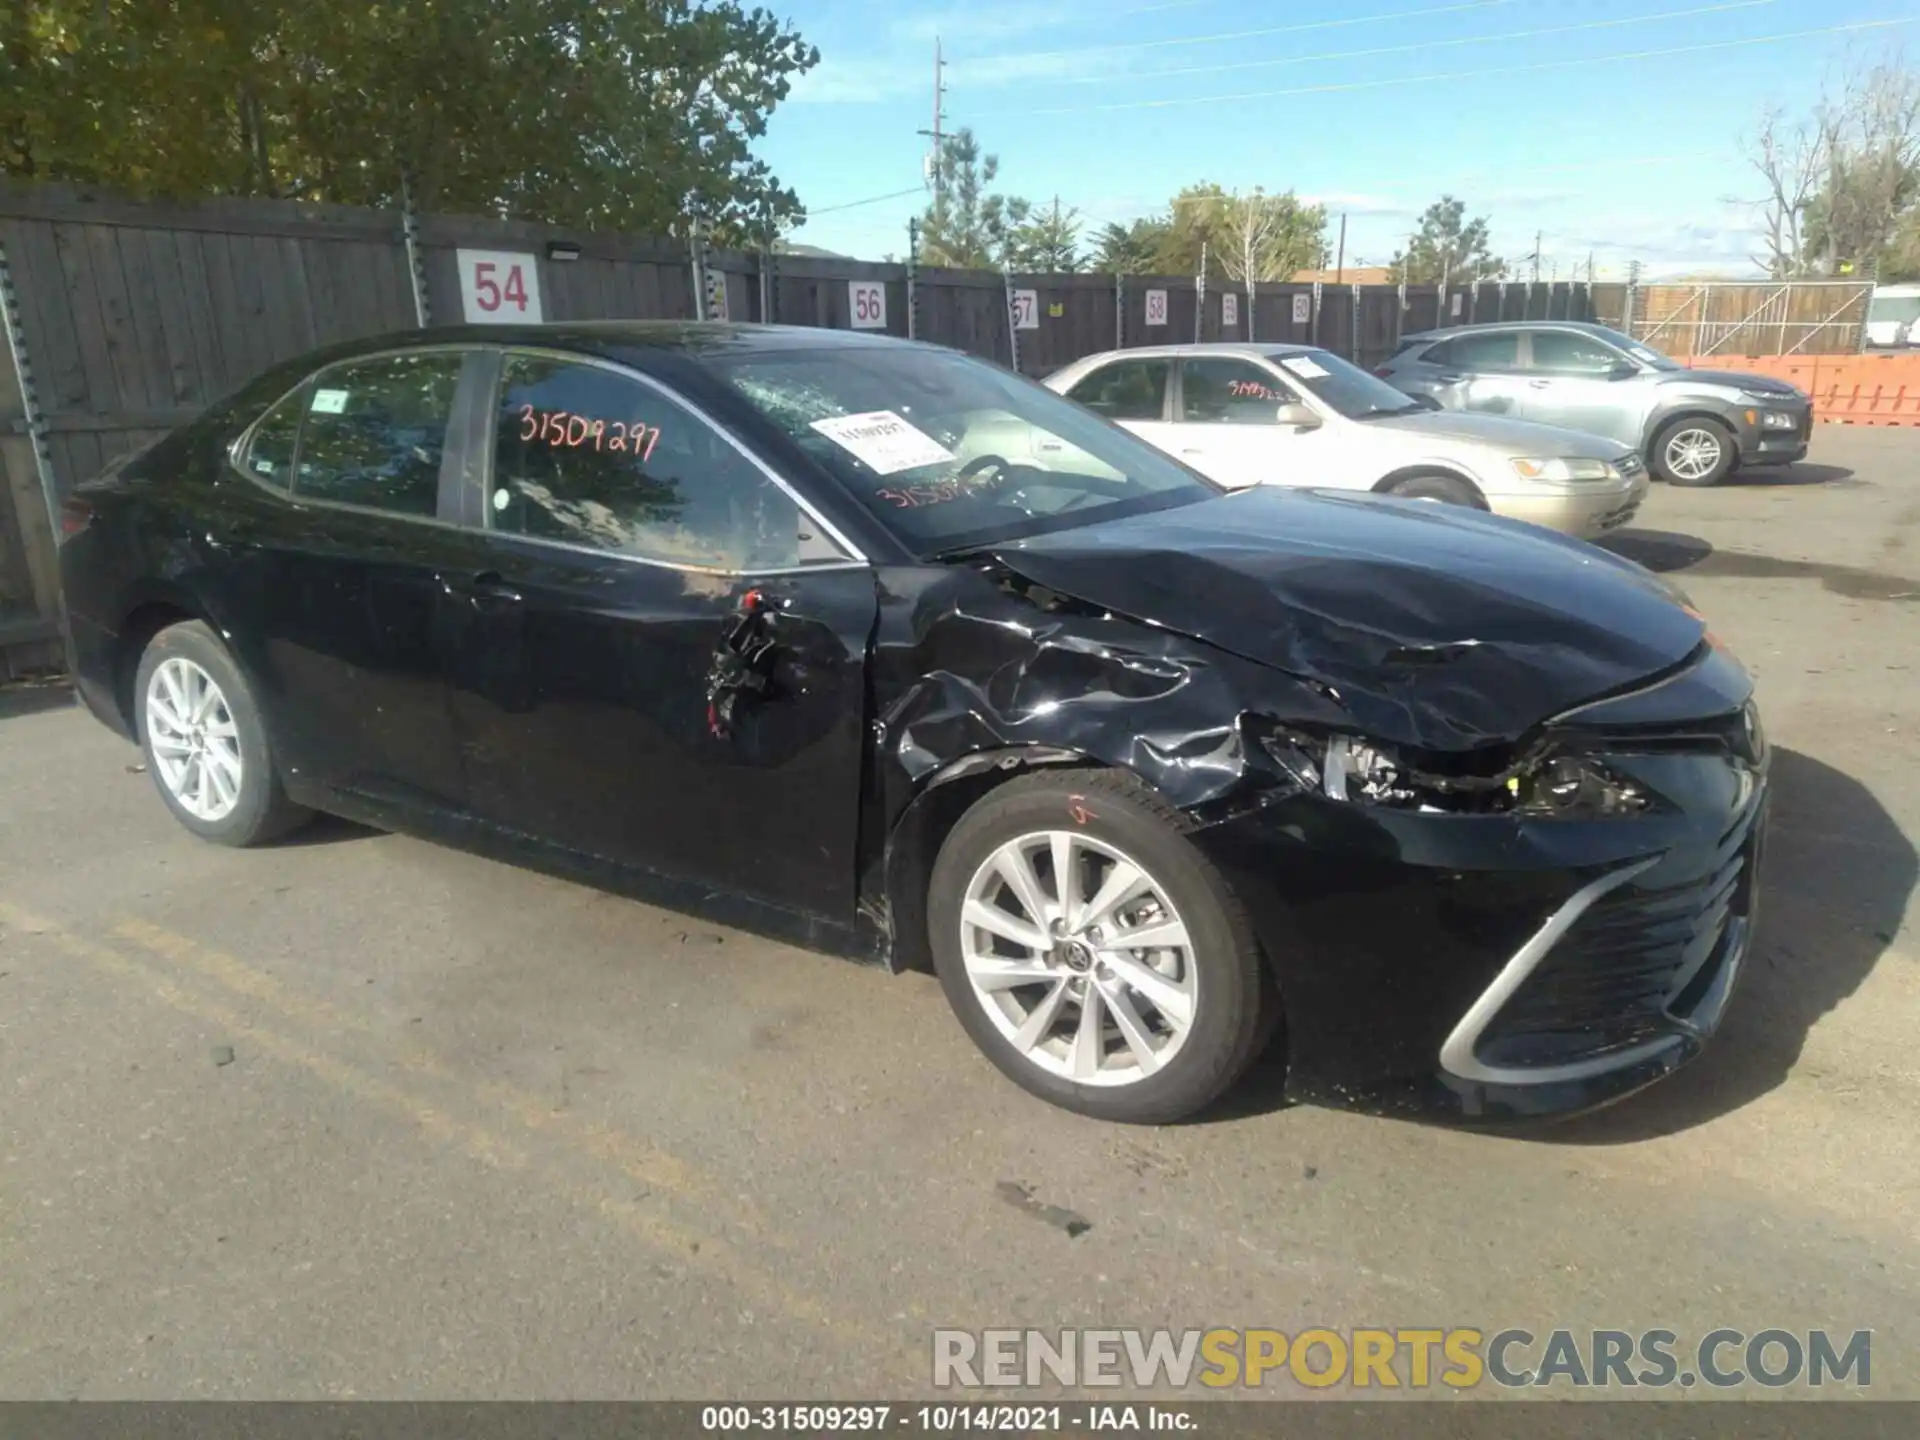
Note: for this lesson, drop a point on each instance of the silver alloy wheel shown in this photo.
(1079, 958)
(194, 740)
(1693, 452)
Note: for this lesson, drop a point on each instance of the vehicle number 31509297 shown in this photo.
(566, 431)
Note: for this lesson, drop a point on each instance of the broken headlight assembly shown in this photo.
(1541, 784)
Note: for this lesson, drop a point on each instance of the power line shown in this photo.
(870, 200)
(1079, 50)
(1581, 62)
(1615, 23)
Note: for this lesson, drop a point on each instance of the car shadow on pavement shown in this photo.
(1833, 888)
(1666, 552)
(35, 695)
(1661, 551)
(1803, 473)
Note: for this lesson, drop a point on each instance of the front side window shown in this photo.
(1342, 386)
(1495, 350)
(1564, 352)
(1222, 391)
(588, 456)
(1126, 390)
(375, 430)
(269, 457)
(949, 452)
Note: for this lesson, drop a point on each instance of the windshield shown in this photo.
(1343, 386)
(1894, 309)
(950, 452)
(1645, 354)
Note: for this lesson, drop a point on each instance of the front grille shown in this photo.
(1633, 967)
(1628, 465)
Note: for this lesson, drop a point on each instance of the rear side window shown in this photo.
(590, 457)
(1497, 350)
(269, 457)
(375, 431)
(1126, 389)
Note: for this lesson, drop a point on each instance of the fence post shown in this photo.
(416, 264)
(913, 278)
(1313, 333)
(1253, 307)
(1353, 327)
(1200, 298)
(1013, 328)
(697, 245)
(769, 282)
(30, 412)
(1399, 314)
(1119, 312)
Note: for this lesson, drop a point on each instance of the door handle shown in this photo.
(1451, 379)
(1195, 451)
(1538, 384)
(487, 590)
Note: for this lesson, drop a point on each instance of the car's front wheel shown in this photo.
(1436, 485)
(1093, 952)
(1695, 452)
(205, 741)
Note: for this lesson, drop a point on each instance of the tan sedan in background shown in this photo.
(1297, 415)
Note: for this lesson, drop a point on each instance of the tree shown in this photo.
(1269, 237)
(1448, 248)
(1048, 243)
(1128, 249)
(571, 112)
(968, 225)
(1842, 181)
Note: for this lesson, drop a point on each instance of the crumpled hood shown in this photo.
(1436, 626)
(1737, 379)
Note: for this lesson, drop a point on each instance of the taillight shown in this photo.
(75, 515)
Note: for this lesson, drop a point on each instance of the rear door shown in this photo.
(1571, 383)
(619, 539)
(1480, 370)
(335, 576)
(1135, 393)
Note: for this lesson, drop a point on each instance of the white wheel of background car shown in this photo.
(194, 740)
(1078, 958)
(1693, 452)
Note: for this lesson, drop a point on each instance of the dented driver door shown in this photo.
(616, 696)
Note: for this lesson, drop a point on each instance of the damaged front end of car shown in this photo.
(1491, 920)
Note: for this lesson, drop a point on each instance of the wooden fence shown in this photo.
(132, 317)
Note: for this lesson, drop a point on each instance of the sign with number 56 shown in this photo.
(499, 287)
(867, 303)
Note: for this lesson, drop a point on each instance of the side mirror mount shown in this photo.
(1298, 416)
(1622, 370)
(1427, 402)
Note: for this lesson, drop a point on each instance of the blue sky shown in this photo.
(1614, 126)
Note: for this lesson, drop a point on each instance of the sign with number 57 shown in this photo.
(499, 287)
(1026, 309)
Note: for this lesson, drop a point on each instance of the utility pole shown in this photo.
(936, 168)
(1537, 236)
(1340, 255)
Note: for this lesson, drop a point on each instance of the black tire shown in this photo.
(261, 810)
(1674, 430)
(1434, 485)
(1236, 1010)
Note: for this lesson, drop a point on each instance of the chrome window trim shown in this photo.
(853, 557)
(1457, 1055)
(243, 442)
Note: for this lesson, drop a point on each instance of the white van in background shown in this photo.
(1893, 317)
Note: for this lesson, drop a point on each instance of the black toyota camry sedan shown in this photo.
(766, 622)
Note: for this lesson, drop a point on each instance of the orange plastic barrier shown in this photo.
(1846, 389)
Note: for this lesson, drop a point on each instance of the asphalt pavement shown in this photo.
(360, 1117)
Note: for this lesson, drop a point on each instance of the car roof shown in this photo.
(1586, 326)
(1251, 349)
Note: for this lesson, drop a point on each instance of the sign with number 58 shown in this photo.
(1156, 307)
(499, 287)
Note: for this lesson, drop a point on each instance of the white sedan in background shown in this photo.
(1297, 415)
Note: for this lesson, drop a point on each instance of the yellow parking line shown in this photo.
(693, 1247)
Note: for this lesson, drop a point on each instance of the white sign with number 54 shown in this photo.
(867, 302)
(499, 287)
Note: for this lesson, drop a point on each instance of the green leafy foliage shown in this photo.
(1449, 248)
(574, 112)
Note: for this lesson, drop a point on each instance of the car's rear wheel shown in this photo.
(1434, 485)
(1093, 952)
(1694, 452)
(205, 742)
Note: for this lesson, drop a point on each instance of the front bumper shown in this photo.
(1761, 444)
(1584, 509)
(1482, 967)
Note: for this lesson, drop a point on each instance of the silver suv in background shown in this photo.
(1695, 427)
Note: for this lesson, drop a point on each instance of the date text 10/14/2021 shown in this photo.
(949, 1419)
